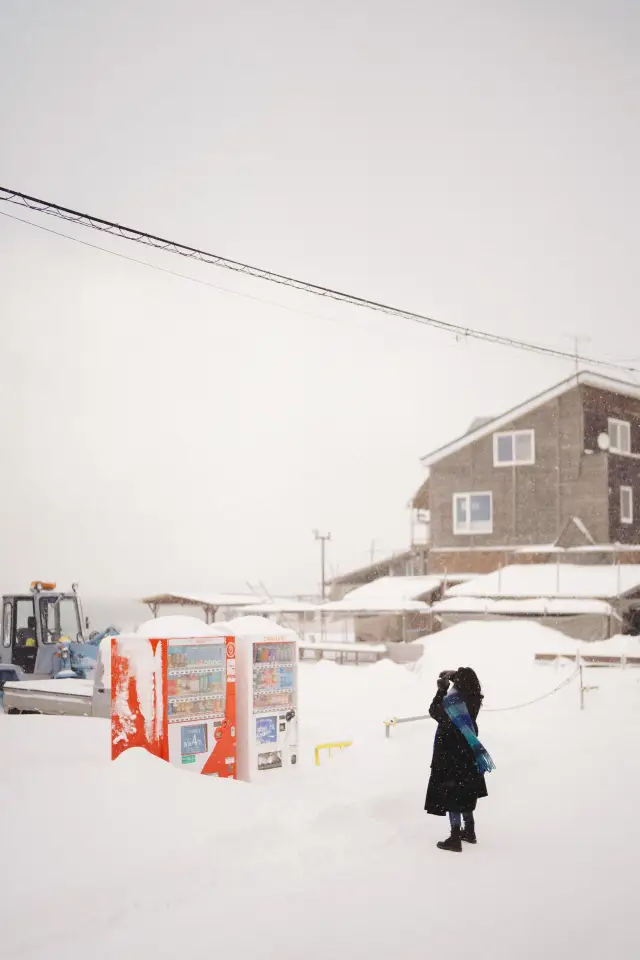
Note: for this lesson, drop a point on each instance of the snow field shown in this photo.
(139, 859)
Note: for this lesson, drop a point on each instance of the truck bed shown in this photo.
(69, 697)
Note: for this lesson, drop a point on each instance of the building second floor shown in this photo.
(570, 453)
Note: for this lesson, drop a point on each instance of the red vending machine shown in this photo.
(176, 698)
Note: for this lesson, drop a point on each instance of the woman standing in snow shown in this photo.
(459, 759)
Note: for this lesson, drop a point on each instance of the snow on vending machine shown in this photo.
(267, 695)
(177, 699)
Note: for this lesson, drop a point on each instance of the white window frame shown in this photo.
(466, 530)
(626, 517)
(514, 463)
(619, 424)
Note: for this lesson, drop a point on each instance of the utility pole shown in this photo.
(322, 537)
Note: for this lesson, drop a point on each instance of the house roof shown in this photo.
(584, 377)
(371, 570)
(588, 581)
(533, 606)
(373, 605)
(285, 606)
(394, 589)
(203, 599)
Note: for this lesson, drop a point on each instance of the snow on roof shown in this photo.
(203, 599)
(553, 580)
(370, 605)
(536, 606)
(584, 377)
(285, 606)
(397, 588)
(613, 548)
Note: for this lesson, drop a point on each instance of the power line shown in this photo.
(171, 273)
(260, 273)
(298, 311)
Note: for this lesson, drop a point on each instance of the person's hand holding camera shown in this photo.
(445, 679)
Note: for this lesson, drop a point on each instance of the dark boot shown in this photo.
(453, 843)
(469, 831)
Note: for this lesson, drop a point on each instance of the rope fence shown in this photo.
(396, 721)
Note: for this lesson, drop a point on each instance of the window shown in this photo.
(7, 624)
(26, 635)
(472, 513)
(620, 436)
(626, 505)
(59, 616)
(514, 449)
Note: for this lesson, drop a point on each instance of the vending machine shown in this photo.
(177, 699)
(267, 696)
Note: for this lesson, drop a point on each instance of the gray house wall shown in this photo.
(623, 471)
(531, 504)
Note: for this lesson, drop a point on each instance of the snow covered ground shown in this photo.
(138, 859)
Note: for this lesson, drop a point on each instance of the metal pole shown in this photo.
(322, 537)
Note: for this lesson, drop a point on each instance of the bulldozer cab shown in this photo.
(34, 623)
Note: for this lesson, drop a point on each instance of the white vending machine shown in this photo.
(267, 696)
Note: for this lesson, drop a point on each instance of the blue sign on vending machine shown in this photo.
(267, 729)
(193, 739)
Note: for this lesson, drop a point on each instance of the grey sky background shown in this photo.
(477, 162)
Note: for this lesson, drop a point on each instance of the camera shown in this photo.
(448, 674)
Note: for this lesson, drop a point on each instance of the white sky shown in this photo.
(476, 162)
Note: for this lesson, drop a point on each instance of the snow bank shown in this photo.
(167, 628)
(134, 858)
(501, 653)
(618, 646)
(251, 626)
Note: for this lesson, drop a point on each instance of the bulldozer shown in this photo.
(44, 633)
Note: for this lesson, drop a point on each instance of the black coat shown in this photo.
(455, 784)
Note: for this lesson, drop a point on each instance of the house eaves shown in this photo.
(585, 378)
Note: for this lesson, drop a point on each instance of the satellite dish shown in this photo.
(604, 441)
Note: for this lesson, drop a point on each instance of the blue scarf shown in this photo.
(456, 710)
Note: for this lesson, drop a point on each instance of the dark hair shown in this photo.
(468, 686)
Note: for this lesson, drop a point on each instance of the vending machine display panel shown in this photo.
(273, 676)
(196, 682)
(201, 705)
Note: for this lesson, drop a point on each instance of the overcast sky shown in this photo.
(474, 161)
